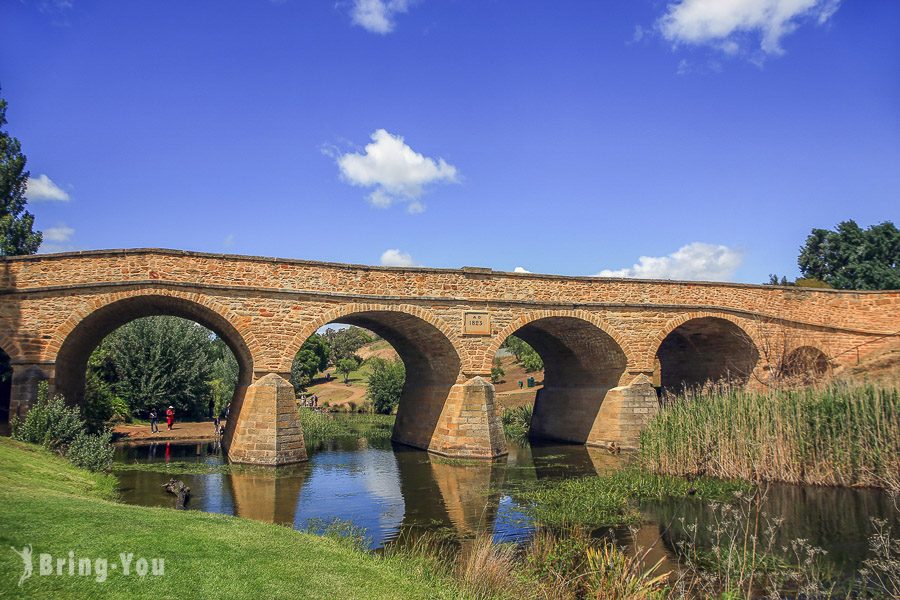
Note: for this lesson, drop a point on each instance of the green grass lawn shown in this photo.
(57, 508)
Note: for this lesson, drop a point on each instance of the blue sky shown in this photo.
(708, 136)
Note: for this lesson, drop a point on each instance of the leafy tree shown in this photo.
(312, 358)
(346, 366)
(345, 342)
(497, 371)
(386, 381)
(100, 401)
(516, 345)
(161, 361)
(852, 258)
(524, 353)
(807, 282)
(224, 378)
(17, 235)
(532, 362)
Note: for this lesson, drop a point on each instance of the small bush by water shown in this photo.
(517, 423)
(61, 428)
(835, 435)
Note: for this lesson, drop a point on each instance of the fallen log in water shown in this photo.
(181, 491)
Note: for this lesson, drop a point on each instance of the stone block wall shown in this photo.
(602, 332)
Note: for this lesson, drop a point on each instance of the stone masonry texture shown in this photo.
(596, 335)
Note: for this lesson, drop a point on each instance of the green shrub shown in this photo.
(91, 452)
(517, 423)
(386, 381)
(49, 423)
(60, 428)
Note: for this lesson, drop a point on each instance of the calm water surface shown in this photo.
(393, 491)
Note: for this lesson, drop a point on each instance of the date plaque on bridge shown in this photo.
(476, 323)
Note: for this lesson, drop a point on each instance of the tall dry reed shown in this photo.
(833, 435)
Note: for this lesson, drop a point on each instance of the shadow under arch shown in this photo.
(805, 362)
(432, 365)
(582, 362)
(72, 358)
(705, 349)
(6, 374)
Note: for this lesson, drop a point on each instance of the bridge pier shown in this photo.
(624, 412)
(469, 425)
(267, 427)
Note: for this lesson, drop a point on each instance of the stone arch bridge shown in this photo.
(606, 343)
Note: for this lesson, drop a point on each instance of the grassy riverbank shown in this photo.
(47, 503)
(836, 435)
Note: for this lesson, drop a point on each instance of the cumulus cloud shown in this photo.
(56, 239)
(61, 233)
(521, 270)
(43, 188)
(726, 23)
(396, 171)
(393, 257)
(377, 16)
(696, 261)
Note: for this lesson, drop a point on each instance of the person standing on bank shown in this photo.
(154, 421)
(170, 417)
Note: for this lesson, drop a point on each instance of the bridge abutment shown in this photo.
(267, 428)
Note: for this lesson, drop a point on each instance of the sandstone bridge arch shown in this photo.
(585, 360)
(83, 332)
(428, 348)
(698, 348)
(603, 340)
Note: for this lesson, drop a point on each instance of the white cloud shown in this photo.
(725, 23)
(56, 239)
(396, 171)
(696, 261)
(377, 16)
(395, 258)
(521, 270)
(43, 188)
(61, 233)
(228, 242)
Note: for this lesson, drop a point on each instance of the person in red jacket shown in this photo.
(170, 417)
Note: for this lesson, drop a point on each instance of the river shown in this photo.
(393, 491)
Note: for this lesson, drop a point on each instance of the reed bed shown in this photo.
(840, 434)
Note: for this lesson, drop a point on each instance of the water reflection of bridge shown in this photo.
(432, 491)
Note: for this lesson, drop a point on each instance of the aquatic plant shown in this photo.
(319, 426)
(517, 423)
(608, 500)
(833, 435)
